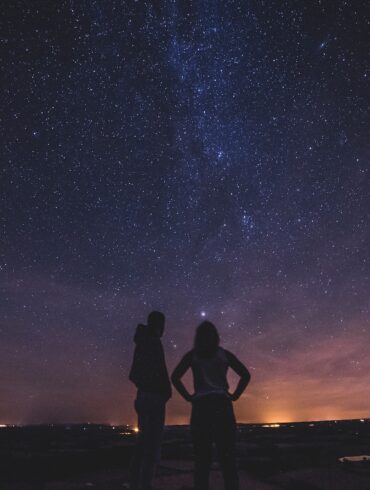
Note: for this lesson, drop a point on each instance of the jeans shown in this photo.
(213, 420)
(150, 408)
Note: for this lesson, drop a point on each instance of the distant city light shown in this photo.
(273, 426)
(354, 459)
(136, 429)
(2, 426)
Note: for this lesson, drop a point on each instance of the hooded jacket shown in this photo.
(149, 371)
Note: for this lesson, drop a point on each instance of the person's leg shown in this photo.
(202, 442)
(225, 436)
(136, 461)
(155, 417)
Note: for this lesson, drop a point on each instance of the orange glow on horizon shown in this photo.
(299, 387)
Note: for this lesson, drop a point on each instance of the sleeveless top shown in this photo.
(210, 374)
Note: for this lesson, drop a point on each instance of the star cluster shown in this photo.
(210, 159)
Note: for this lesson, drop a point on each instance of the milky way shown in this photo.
(209, 159)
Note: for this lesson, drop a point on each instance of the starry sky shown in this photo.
(206, 158)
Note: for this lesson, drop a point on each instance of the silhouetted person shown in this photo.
(150, 376)
(212, 416)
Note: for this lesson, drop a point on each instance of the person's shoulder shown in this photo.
(188, 357)
(140, 333)
(229, 355)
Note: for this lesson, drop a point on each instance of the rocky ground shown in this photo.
(173, 475)
(306, 456)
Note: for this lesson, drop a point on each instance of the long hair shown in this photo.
(206, 340)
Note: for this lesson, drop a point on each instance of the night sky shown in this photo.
(209, 159)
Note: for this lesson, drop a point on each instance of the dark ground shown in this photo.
(299, 456)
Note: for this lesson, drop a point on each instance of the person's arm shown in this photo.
(135, 374)
(164, 379)
(242, 371)
(178, 373)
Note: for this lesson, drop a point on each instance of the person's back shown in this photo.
(209, 373)
(148, 371)
(150, 376)
(212, 417)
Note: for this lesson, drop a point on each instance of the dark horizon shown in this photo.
(97, 424)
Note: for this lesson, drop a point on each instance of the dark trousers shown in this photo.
(150, 408)
(213, 420)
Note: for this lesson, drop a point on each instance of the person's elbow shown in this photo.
(175, 378)
(246, 376)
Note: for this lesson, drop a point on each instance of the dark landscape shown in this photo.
(292, 456)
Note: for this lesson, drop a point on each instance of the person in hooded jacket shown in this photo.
(150, 376)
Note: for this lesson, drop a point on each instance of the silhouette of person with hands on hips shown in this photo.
(212, 415)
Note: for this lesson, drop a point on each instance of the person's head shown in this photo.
(206, 340)
(156, 322)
